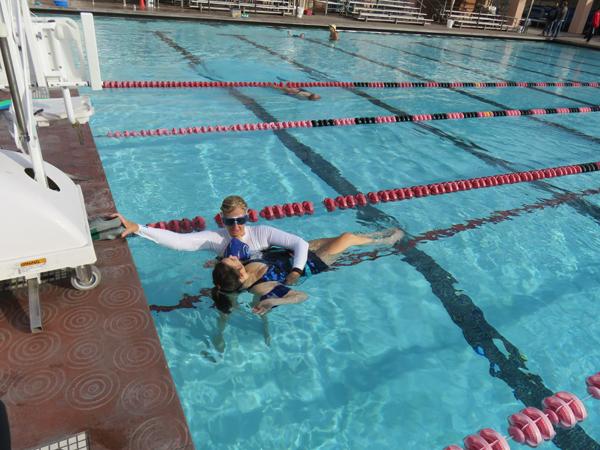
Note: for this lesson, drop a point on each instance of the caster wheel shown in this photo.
(94, 280)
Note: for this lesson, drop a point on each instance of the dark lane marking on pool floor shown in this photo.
(546, 63)
(581, 206)
(562, 57)
(565, 128)
(192, 59)
(527, 388)
(494, 61)
(538, 89)
(317, 164)
(472, 70)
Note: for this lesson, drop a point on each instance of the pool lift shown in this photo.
(44, 228)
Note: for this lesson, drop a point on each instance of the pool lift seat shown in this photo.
(45, 226)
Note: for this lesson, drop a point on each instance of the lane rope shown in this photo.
(425, 190)
(351, 121)
(112, 84)
(351, 201)
(532, 426)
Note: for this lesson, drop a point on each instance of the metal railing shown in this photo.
(482, 20)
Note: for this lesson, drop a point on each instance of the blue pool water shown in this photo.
(383, 354)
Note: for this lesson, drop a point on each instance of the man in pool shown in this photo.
(333, 33)
(298, 92)
(234, 211)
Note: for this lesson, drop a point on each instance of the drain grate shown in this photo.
(77, 441)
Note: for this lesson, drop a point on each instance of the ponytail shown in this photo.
(222, 300)
(227, 283)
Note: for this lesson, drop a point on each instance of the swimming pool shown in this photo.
(409, 351)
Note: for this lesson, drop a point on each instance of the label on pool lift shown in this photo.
(26, 266)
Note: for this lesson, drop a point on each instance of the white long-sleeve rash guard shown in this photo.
(258, 238)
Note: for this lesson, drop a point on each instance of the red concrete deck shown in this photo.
(98, 366)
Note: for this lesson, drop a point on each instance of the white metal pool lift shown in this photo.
(44, 224)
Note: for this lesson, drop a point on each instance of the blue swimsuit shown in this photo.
(279, 265)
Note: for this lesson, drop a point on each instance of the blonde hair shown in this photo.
(232, 202)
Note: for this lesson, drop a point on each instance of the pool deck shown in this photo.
(98, 366)
(320, 20)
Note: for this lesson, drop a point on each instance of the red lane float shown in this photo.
(390, 195)
(181, 226)
(531, 426)
(564, 409)
(349, 121)
(486, 439)
(593, 385)
(287, 210)
(111, 84)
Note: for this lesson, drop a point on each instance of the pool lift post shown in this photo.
(45, 228)
(526, 23)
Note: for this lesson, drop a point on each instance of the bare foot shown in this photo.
(388, 237)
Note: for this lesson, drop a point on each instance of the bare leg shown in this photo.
(386, 237)
(316, 244)
(218, 340)
(328, 251)
(266, 334)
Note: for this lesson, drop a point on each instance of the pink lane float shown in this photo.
(350, 121)
(532, 426)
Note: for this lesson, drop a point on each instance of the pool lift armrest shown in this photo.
(47, 227)
(61, 56)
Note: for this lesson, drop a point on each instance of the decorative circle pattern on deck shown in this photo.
(126, 323)
(7, 378)
(50, 289)
(144, 397)
(34, 349)
(80, 320)
(38, 386)
(19, 318)
(114, 254)
(120, 296)
(118, 272)
(160, 433)
(84, 352)
(92, 390)
(75, 297)
(5, 338)
(135, 356)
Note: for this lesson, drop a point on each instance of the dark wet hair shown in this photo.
(223, 300)
(227, 283)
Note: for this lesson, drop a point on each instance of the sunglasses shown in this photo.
(231, 221)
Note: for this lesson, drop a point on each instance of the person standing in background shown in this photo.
(594, 25)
